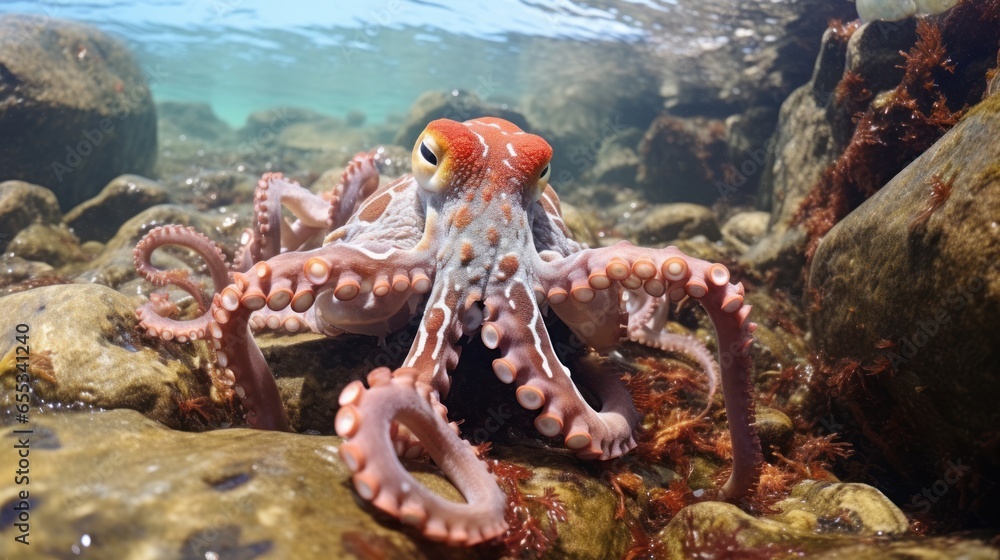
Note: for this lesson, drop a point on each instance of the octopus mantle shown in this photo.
(475, 241)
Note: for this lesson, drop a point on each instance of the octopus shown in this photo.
(473, 241)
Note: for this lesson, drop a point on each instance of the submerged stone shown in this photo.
(820, 520)
(23, 204)
(662, 224)
(908, 288)
(139, 489)
(51, 244)
(86, 352)
(85, 101)
(99, 218)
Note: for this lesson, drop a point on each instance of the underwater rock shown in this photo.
(84, 99)
(994, 85)
(115, 266)
(576, 100)
(51, 244)
(944, 72)
(23, 204)
(457, 105)
(15, 270)
(683, 160)
(583, 224)
(661, 224)
(774, 428)
(325, 134)
(803, 145)
(744, 229)
(207, 189)
(85, 351)
(906, 288)
(816, 123)
(355, 118)
(842, 508)
(874, 54)
(767, 53)
(820, 520)
(297, 138)
(896, 10)
(779, 338)
(617, 162)
(138, 489)
(100, 217)
(267, 124)
(312, 369)
(196, 120)
(869, 110)
(782, 256)
(748, 137)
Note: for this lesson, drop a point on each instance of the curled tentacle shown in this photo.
(365, 419)
(162, 306)
(648, 316)
(270, 233)
(668, 272)
(151, 315)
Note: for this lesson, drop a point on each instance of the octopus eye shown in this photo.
(425, 159)
(427, 154)
(543, 181)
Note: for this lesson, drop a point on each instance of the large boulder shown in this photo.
(196, 120)
(908, 287)
(75, 108)
(85, 351)
(138, 489)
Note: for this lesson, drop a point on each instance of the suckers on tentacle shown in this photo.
(476, 236)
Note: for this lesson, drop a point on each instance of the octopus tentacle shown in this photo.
(365, 419)
(151, 315)
(270, 234)
(238, 354)
(514, 325)
(668, 272)
(341, 268)
(615, 399)
(647, 317)
(359, 180)
(599, 322)
(285, 320)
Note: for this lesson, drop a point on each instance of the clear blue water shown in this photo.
(375, 56)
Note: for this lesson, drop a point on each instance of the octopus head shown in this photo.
(488, 154)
